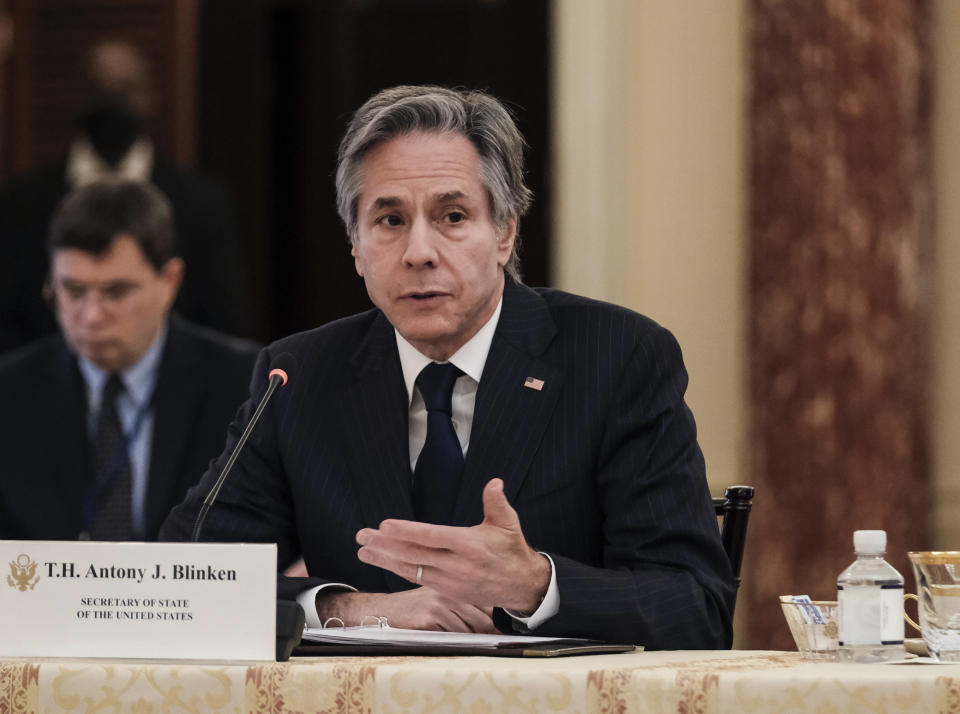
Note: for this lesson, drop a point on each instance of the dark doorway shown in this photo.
(277, 83)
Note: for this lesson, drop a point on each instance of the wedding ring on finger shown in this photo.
(419, 573)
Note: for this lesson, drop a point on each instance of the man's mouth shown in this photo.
(425, 296)
(94, 343)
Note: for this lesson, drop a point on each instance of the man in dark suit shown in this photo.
(111, 142)
(80, 461)
(503, 456)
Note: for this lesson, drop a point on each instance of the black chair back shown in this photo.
(733, 510)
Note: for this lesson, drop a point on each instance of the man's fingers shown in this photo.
(475, 619)
(442, 618)
(379, 549)
(497, 510)
(371, 555)
(405, 561)
(426, 534)
(438, 570)
(410, 540)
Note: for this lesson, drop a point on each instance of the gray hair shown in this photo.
(483, 120)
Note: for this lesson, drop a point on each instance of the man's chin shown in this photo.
(424, 331)
(105, 356)
(430, 337)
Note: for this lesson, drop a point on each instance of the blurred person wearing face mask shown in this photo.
(107, 425)
(111, 142)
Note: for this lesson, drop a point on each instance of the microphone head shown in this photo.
(283, 366)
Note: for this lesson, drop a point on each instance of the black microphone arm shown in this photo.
(281, 368)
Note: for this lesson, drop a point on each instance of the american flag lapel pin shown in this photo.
(533, 383)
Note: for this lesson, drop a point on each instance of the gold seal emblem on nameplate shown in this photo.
(23, 573)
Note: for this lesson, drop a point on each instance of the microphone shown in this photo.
(290, 617)
(282, 366)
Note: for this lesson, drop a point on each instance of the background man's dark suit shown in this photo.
(43, 433)
(601, 465)
(214, 292)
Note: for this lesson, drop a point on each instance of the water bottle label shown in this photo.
(871, 615)
(891, 605)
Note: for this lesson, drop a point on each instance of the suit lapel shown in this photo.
(509, 418)
(69, 432)
(176, 396)
(375, 434)
(374, 409)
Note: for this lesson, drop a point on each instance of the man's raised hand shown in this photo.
(489, 565)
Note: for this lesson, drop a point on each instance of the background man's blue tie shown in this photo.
(112, 470)
(436, 478)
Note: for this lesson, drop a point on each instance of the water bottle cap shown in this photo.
(870, 541)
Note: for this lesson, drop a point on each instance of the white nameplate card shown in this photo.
(138, 600)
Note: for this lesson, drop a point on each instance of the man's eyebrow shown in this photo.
(117, 282)
(71, 283)
(451, 196)
(385, 202)
(393, 201)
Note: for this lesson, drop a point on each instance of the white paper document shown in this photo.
(386, 635)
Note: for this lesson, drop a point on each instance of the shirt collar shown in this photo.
(138, 380)
(84, 164)
(470, 358)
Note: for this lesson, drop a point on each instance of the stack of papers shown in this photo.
(378, 639)
(375, 634)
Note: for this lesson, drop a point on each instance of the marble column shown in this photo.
(839, 280)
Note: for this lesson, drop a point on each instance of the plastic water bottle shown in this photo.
(870, 594)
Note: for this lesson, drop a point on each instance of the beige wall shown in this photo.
(649, 189)
(649, 186)
(945, 388)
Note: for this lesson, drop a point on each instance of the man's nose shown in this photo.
(92, 308)
(421, 249)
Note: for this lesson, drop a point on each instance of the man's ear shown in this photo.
(505, 241)
(355, 252)
(172, 276)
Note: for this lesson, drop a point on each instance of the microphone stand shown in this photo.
(290, 617)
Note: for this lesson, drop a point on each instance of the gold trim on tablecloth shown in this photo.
(948, 694)
(275, 688)
(680, 682)
(139, 688)
(19, 684)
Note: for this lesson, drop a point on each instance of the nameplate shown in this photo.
(138, 600)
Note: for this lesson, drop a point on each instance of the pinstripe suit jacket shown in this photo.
(602, 465)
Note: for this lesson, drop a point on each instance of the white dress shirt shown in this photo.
(470, 359)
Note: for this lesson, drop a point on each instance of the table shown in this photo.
(683, 682)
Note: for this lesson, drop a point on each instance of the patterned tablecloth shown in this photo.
(682, 682)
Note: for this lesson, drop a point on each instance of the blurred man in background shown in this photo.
(111, 142)
(105, 427)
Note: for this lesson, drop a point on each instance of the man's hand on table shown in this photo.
(418, 609)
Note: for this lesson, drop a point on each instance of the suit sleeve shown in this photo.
(665, 581)
(254, 503)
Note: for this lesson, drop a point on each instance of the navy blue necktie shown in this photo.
(111, 462)
(436, 478)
